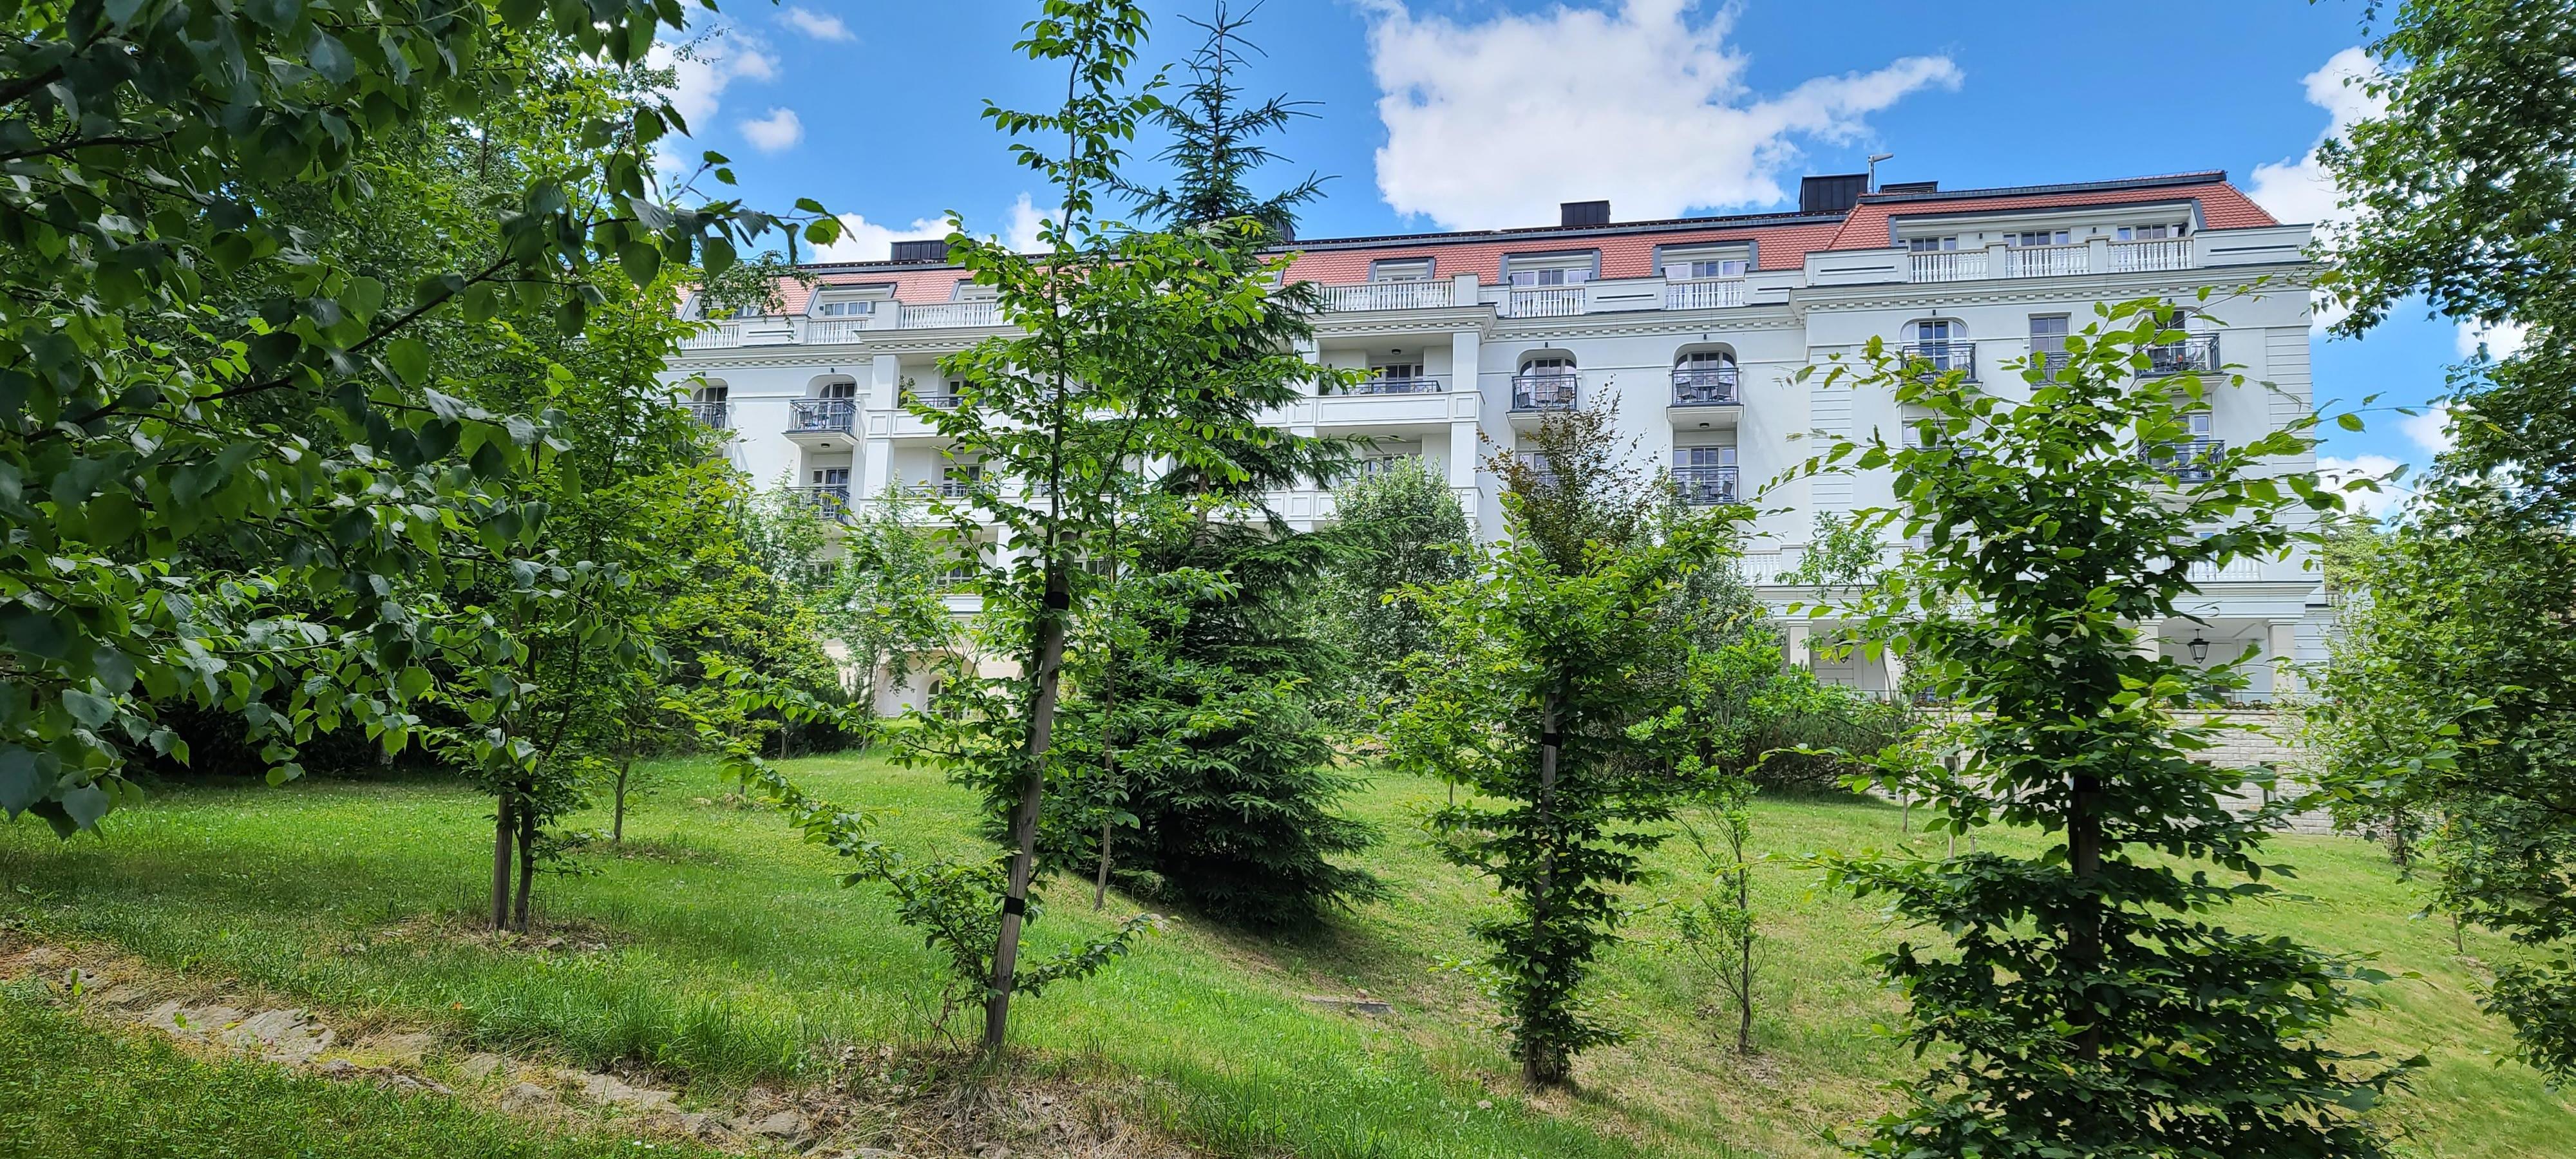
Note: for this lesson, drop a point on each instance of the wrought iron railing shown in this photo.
(2188, 461)
(2197, 354)
(715, 415)
(1554, 391)
(1399, 384)
(1706, 386)
(1705, 486)
(1944, 357)
(812, 415)
(830, 499)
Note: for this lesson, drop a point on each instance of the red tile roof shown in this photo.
(1627, 249)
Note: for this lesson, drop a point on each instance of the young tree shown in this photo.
(1134, 349)
(213, 492)
(1215, 149)
(1397, 529)
(1546, 664)
(886, 599)
(2086, 1001)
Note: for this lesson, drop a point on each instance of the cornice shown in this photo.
(2007, 291)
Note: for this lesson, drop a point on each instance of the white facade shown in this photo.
(1698, 345)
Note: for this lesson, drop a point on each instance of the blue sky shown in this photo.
(1662, 106)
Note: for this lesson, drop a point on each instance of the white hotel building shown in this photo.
(1694, 326)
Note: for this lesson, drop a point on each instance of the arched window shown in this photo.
(709, 402)
(1943, 343)
(1706, 377)
(1546, 382)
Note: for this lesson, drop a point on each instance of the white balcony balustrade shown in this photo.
(1421, 295)
(1543, 302)
(1704, 294)
(825, 331)
(1946, 266)
(2047, 261)
(2165, 254)
(713, 336)
(942, 315)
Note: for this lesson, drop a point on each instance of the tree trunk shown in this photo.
(1024, 817)
(1540, 1062)
(504, 827)
(1100, 886)
(617, 818)
(2084, 917)
(527, 866)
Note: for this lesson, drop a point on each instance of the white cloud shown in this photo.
(862, 240)
(2300, 189)
(2501, 339)
(819, 25)
(2336, 472)
(2430, 430)
(1022, 235)
(704, 68)
(779, 130)
(1493, 123)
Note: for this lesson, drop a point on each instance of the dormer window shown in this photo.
(2033, 237)
(1527, 270)
(1401, 270)
(1703, 263)
(1923, 245)
(2150, 232)
(845, 308)
(971, 292)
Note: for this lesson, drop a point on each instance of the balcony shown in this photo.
(1392, 384)
(1387, 296)
(933, 401)
(1543, 392)
(943, 315)
(1945, 266)
(715, 416)
(1705, 486)
(830, 500)
(822, 416)
(1706, 386)
(1943, 357)
(1704, 294)
(829, 331)
(713, 336)
(2197, 354)
(1543, 302)
(2047, 261)
(2172, 253)
(2188, 461)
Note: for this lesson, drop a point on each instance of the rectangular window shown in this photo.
(2036, 237)
(832, 477)
(1929, 244)
(1401, 270)
(1703, 456)
(2199, 421)
(845, 308)
(1395, 369)
(2048, 333)
(2150, 232)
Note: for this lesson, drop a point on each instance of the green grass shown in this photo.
(733, 957)
(68, 1089)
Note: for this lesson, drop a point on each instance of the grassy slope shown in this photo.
(733, 957)
(69, 1089)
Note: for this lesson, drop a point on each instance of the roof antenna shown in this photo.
(1870, 184)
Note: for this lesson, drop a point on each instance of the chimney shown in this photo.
(1832, 193)
(1574, 213)
(933, 250)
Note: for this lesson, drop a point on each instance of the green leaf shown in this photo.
(409, 358)
(46, 634)
(25, 778)
(330, 58)
(85, 804)
(2348, 421)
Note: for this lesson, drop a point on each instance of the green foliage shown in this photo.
(1397, 529)
(1545, 665)
(2085, 1000)
(1201, 720)
(885, 600)
(1841, 552)
(226, 449)
(2447, 722)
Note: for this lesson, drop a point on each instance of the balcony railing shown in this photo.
(819, 415)
(2188, 461)
(1945, 265)
(2047, 261)
(1398, 384)
(1543, 302)
(1704, 294)
(933, 401)
(715, 415)
(831, 500)
(1706, 386)
(943, 314)
(1944, 357)
(2197, 354)
(2172, 253)
(1543, 392)
(1387, 296)
(827, 330)
(712, 335)
(1705, 486)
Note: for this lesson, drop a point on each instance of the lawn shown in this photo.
(729, 956)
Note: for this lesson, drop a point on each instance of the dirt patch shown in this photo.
(543, 936)
(881, 1104)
